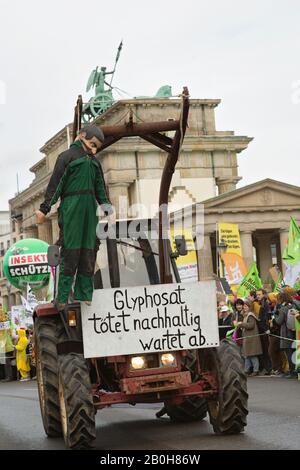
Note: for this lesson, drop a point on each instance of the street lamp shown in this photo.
(221, 248)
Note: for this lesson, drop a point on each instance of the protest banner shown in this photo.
(232, 259)
(250, 282)
(148, 319)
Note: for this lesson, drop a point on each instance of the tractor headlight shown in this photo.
(72, 318)
(138, 362)
(167, 359)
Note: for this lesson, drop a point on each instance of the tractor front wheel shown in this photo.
(228, 412)
(76, 404)
(47, 332)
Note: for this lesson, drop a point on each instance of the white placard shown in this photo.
(4, 325)
(164, 317)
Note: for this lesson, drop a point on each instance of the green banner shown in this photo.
(291, 253)
(279, 284)
(250, 282)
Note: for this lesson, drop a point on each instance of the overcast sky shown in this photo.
(245, 52)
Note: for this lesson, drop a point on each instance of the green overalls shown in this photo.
(79, 188)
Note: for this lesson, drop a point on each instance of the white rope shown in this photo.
(282, 337)
(263, 334)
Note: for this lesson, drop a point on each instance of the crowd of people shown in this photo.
(17, 359)
(264, 328)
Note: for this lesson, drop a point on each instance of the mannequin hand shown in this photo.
(40, 217)
(111, 219)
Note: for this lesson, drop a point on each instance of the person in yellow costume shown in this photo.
(22, 359)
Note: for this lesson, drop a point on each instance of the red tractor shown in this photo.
(190, 382)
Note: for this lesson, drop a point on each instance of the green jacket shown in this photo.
(76, 173)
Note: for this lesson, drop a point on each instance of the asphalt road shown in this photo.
(273, 422)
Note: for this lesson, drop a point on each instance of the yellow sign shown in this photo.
(229, 234)
(186, 265)
(235, 267)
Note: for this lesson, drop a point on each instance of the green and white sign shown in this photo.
(26, 263)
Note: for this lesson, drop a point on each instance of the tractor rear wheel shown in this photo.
(228, 413)
(76, 403)
(47, 332)
(193, 408)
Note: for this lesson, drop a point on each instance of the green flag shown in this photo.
(230, 333)
(279, 283)
(250, 282)
(291, 253)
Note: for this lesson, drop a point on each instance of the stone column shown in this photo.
(45, 231)
(225, 185)
(284, 236)
(12, 300)
(205, 264)
(31, 232)
(18, 298)
(264, 256)
(118, 193)
(247, 247)
(209, 116)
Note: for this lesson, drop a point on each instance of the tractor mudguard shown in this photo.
(45, 310)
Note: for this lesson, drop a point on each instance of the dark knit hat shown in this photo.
(91, 131)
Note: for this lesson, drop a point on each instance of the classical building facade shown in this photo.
(207, 173)
(263, 211)
(7, 297)
(133, 167)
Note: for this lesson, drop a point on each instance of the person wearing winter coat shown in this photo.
(285, 303)
(21, 356)
(264, 317)
(251, 347)
(238, 316)
(225, 321)
(276, 355)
